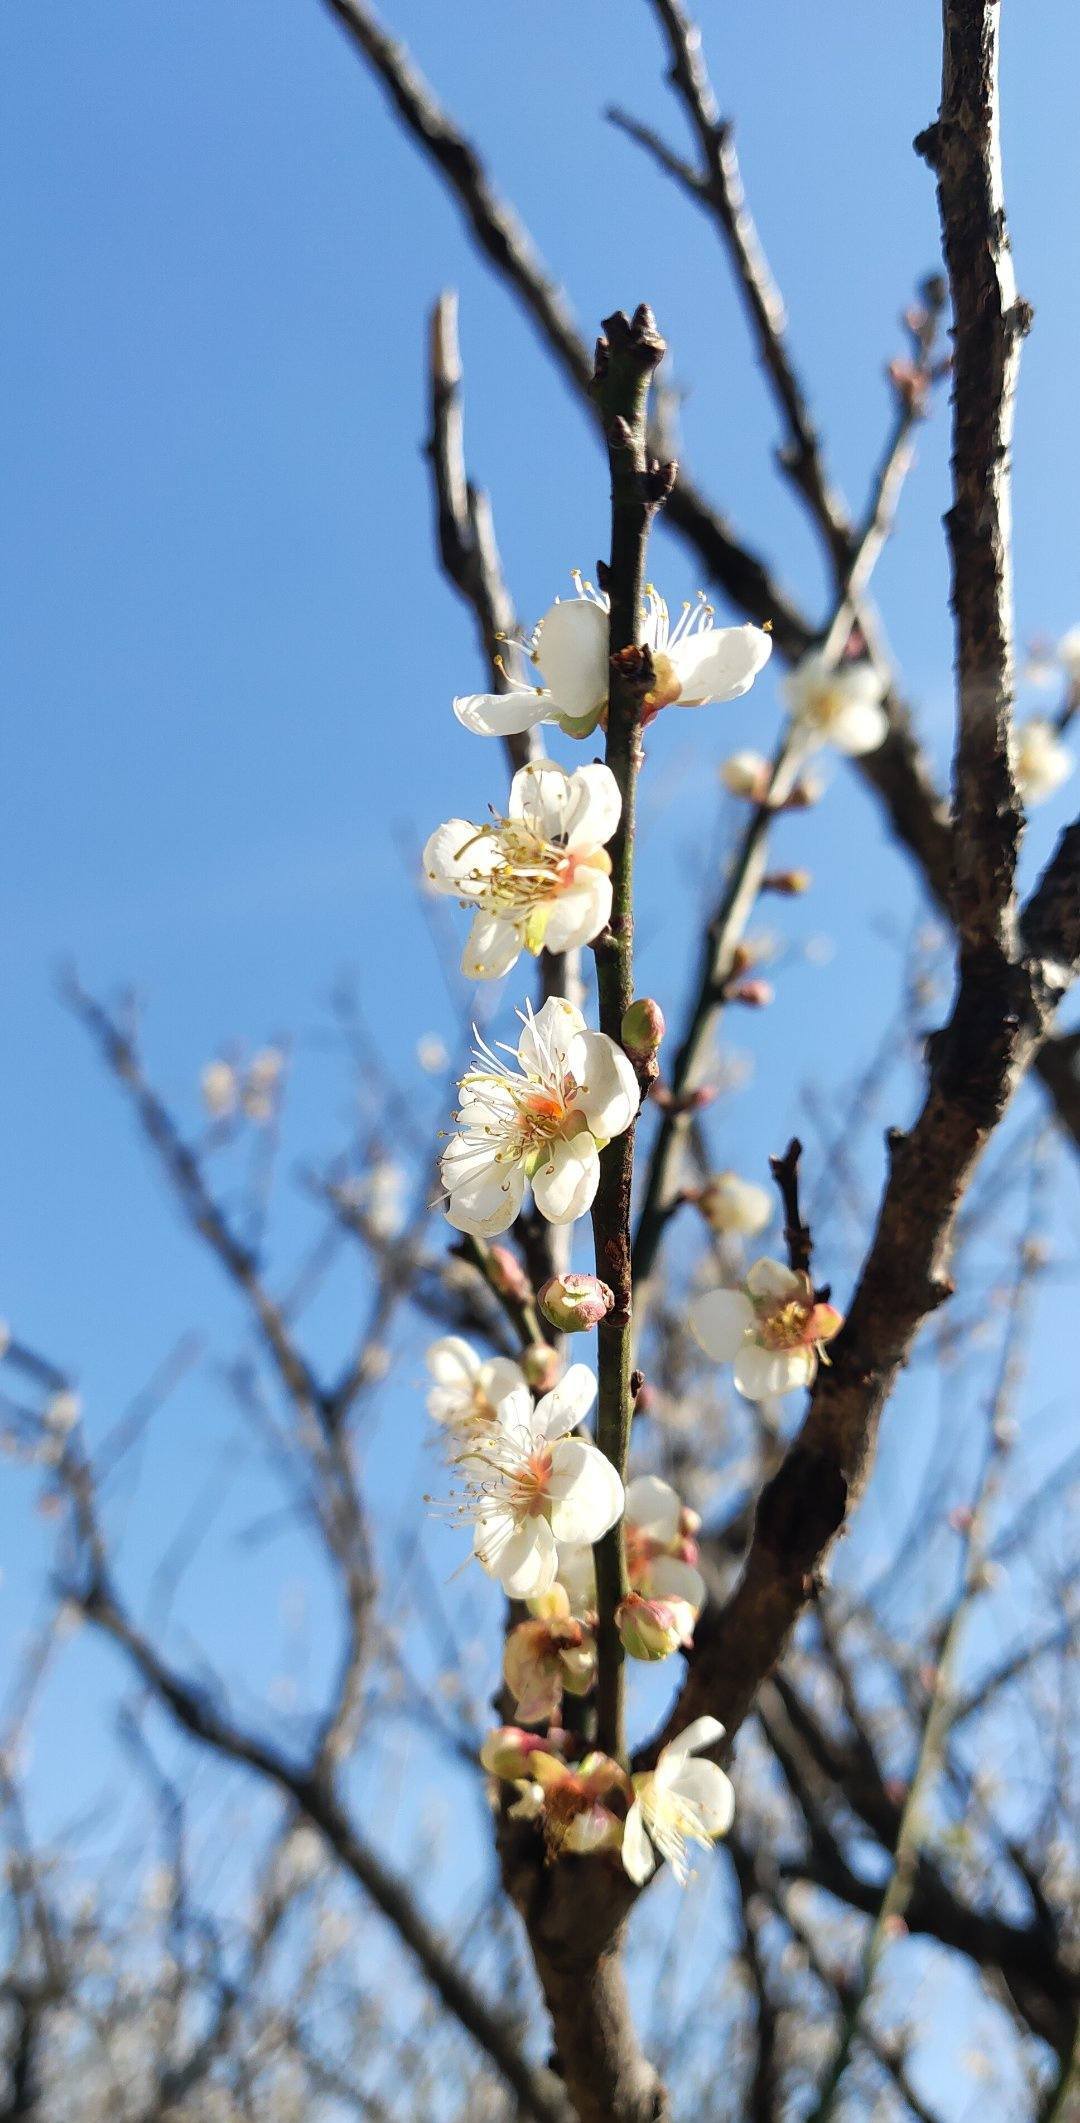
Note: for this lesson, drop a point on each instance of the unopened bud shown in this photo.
(756, 994)
(507, 1276)
(808, 790)
(746, 774)
(645, 1398)
(506, 1751)
(694, 1101)
(540, 1363)
(573, 1303)
(642, 1029)
(789, 883)
(653, 1629)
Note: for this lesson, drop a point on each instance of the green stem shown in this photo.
(626, 358)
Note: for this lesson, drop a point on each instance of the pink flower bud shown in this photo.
(541, 1365)
(506, 1751)
(653, 1629)
(642, 1029)
(507, 1276)
(756, 994)
(574, 1303)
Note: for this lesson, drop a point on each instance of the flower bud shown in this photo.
(790, 884)
(746, 774)
(541, 1365)
(507, 1276)
(642, 1029)
(506, 1751)
(729, 1203)
(575, 1302)
(653, 1629)
(756, 994)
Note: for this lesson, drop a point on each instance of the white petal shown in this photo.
(720, 1321)
(549, 1037)
(765, 1374)
(638, 1856)
(719, 663)
(608, 1092)
(669, 1578)
(489, 1203)
(809, 678)
(771, 1279)
(693, 1739)
(703, 1787)
(653, 1507)
(595, 809)
(541, 794)
(452, 1362)
(564, 1186)
(458, 857)
(525, 1565)
(500, 1377)
(580, 912)
(577, 1575)
(860, 727)
(493, 946)
(572, 651)
(503, 714)
(568, 1403)
(585, 1490)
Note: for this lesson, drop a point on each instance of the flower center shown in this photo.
(826, 708)
(784, 1326)
(530, 1485)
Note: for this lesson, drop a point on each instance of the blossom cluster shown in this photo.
(535, 1116)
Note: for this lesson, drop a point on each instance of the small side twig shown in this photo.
(797, 1239)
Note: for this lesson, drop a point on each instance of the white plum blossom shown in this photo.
(540, 878)
(220, 1088)
(746, 774)
(1041, 762)
(681, 1801)
(468, 1388)
(837, 704)
(729, 1203)
(661, 1551)
(1068, 654)
(696, 663)
(544, 1120)
(528, 1484)
(772, 1330)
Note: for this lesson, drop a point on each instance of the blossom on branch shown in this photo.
(837, 704)
(540, 878)
(468, 1388)
(552, 1652)
(527, 1484)
(544, 1120)
(1041, 762)
(661, 1554)
(568, 1801)
(729, 1203)
(695, 663)
(681, 1801)
(772, 1330)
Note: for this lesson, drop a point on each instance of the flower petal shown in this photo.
(523, 1560)
(667, 1577)
(548, 1036)
(452, 1361)
(580, 912)
(493, 946)
(859, 727)
(458, 857)
(608, 1092)
(709, 1794)
(568, 1403)
(595, 809)
(718, 663)
(503, 714)
(693, 1739)
(564, 1186)
(720, 1321)
(772, 1279)
(487, 1202)
(572, 652)
(585, 1491)
(765, 1374)
(638, 1856)
(653, 1507)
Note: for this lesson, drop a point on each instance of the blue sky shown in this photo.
(227, 657)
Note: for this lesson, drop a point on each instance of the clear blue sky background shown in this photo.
(227, 657)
